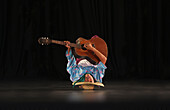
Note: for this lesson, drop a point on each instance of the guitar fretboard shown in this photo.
(63, 43)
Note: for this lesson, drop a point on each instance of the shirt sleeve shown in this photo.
(101, 65)
(100, 71)
(72, 68)
(70, 58)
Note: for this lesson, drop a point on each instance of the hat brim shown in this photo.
(89, 83)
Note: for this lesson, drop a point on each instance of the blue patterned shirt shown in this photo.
(77, 71)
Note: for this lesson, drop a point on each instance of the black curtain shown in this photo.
(136, 32)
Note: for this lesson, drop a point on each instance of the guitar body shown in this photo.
(96, 42)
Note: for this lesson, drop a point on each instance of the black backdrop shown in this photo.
(136, 32)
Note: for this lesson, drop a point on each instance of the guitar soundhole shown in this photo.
(82, 47)
(93, 45)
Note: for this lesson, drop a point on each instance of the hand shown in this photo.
(88, 46)
(67, 44)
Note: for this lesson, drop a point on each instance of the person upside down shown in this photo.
(82, 70)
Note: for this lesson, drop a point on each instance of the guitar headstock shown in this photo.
(44, 41)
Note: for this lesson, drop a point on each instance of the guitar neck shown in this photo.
(63, 43)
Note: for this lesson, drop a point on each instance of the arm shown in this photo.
(67, 45)
(102, 58)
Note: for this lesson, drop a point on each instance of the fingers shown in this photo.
(88, 46)
(67, 44)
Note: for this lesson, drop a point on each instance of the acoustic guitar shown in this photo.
(80, 50)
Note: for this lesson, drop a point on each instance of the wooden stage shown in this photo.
(59, 95)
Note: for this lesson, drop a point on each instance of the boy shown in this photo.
(83, 70)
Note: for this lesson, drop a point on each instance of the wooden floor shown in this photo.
(55, 95)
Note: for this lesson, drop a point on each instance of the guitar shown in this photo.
(80, 50)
